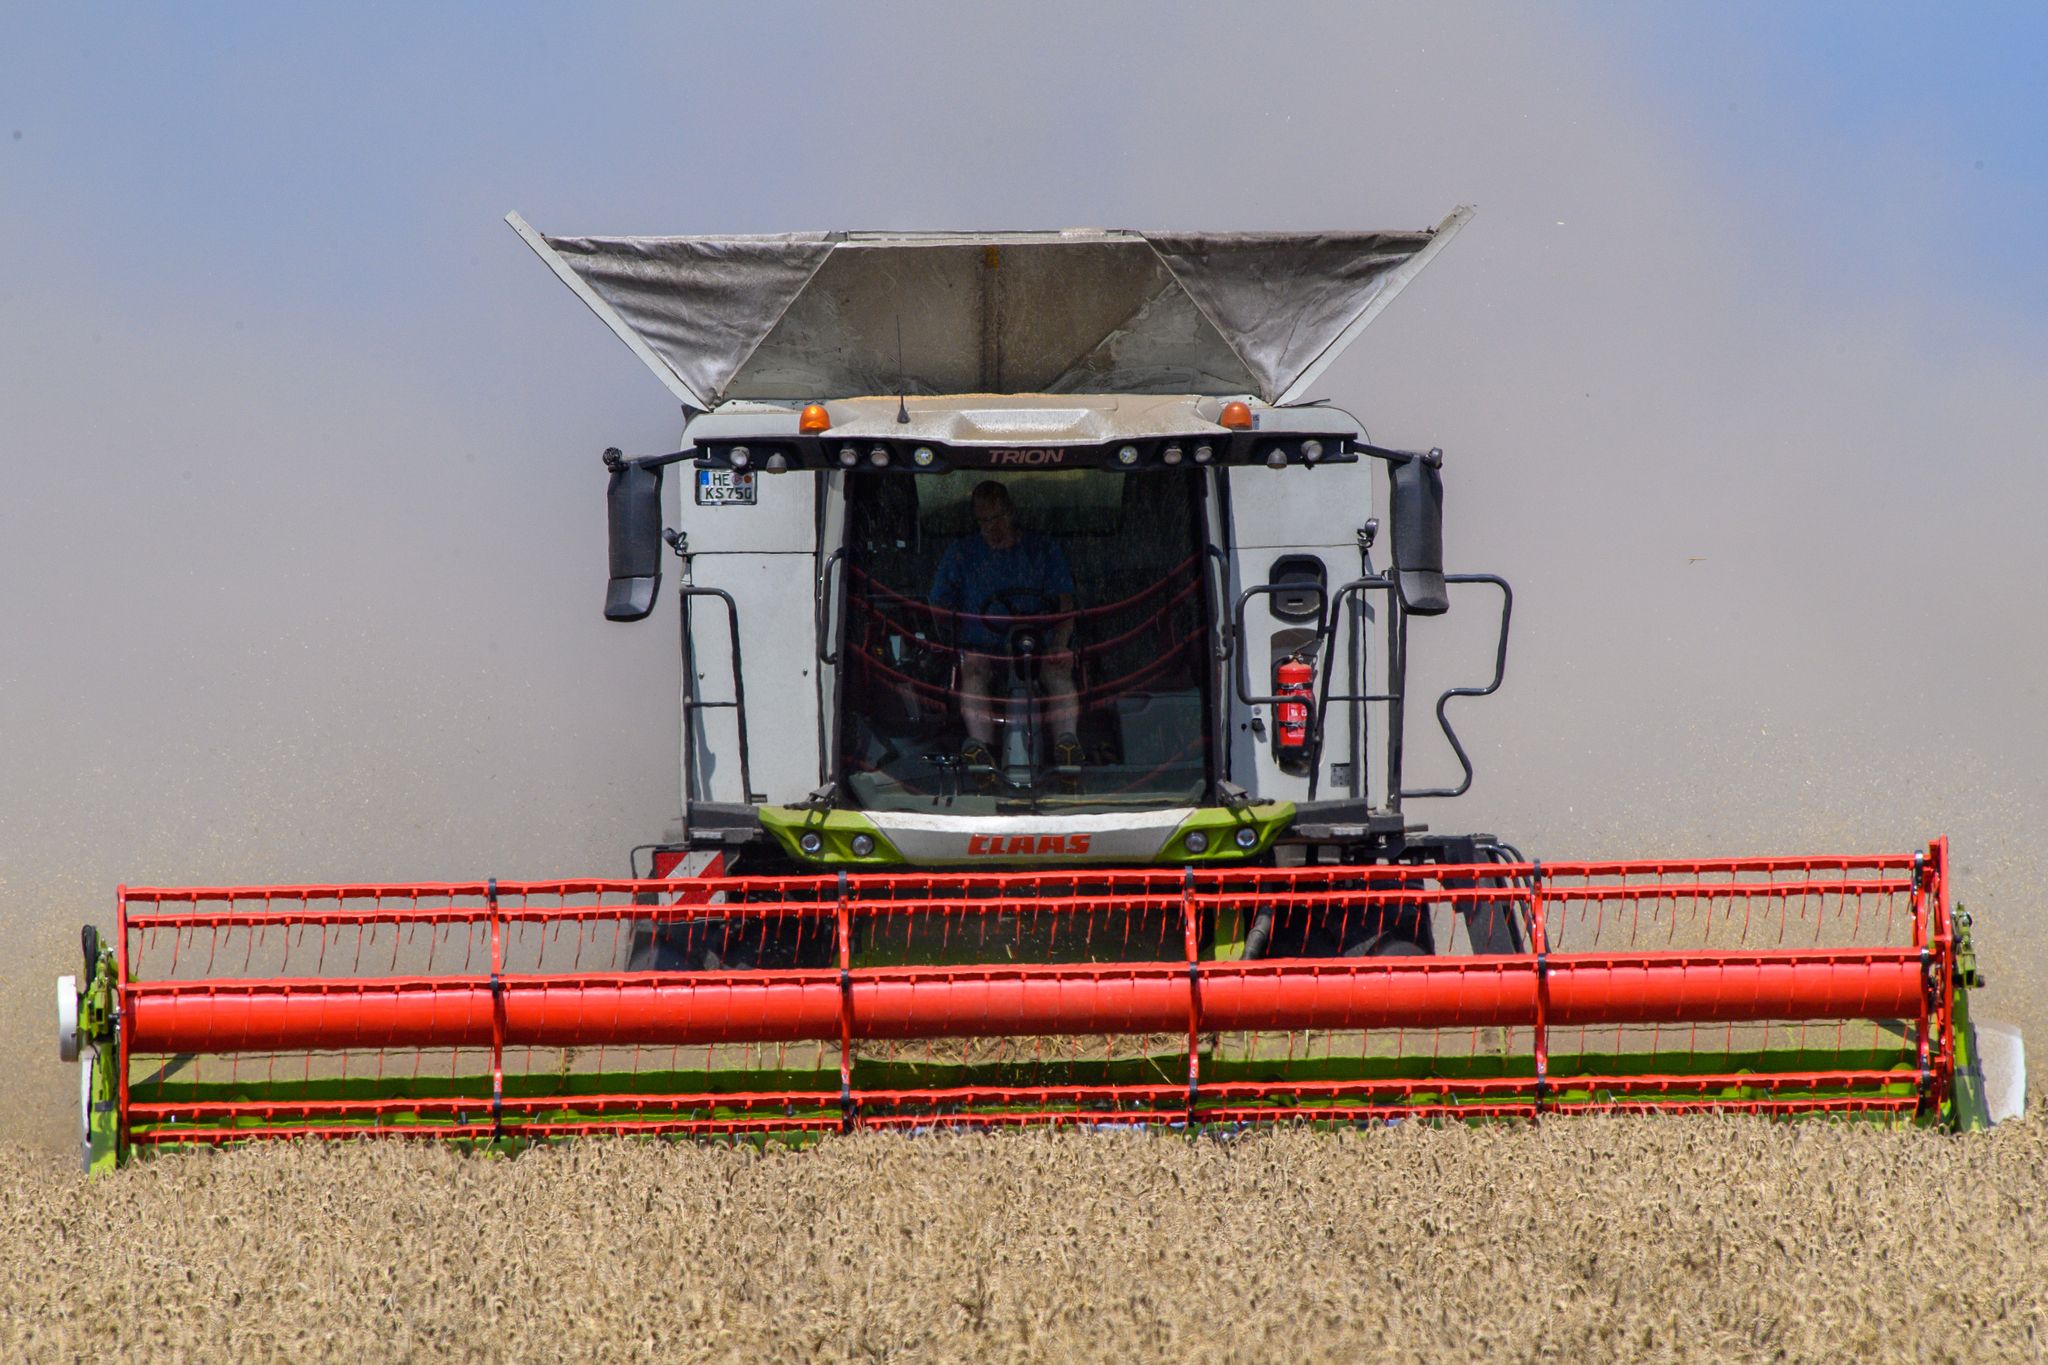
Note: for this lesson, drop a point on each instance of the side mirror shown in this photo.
(1418, 513)
(633, 517)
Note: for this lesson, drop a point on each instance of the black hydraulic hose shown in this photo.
(1260, 935)
(1507, 854)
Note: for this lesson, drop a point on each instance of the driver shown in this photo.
(999, 573)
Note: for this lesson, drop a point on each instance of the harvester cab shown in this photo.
(1044, 707)
(1086, 583)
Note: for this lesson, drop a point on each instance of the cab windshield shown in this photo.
(1024, 642)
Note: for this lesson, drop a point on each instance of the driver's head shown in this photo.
(995, 515)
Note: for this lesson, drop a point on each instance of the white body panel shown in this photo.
(765, 555)
(1276, 513)
(783, 518)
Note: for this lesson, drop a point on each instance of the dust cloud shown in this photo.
(301, 535)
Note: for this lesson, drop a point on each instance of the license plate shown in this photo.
(725, 488)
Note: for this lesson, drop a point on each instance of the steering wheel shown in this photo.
(1026, 640)
(1008, 604)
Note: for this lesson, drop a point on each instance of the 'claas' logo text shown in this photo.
(998, 845)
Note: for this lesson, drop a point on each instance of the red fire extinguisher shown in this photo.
(1294, 678)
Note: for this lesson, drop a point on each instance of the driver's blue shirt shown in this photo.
(972, 573)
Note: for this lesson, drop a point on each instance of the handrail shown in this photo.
(691, 702)
(1237, 625)
(1500, 668)
(1329, 614)
(1395, 697)
(823, 607)
(1225, 640)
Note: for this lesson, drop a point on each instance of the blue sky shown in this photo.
(291, 157)
(1929, 119)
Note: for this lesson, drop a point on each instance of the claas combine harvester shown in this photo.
(1044, 706)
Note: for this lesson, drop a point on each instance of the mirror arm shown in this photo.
(1433, 457)
(615, 460)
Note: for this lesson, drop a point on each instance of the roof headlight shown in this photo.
(1311, 449)
(1204, 454)
(879, 457)
(922, 455)
(1172, 455)
(739, 457)
(848, 456)
(1276, 458)
(776, 463)
(1127, 455)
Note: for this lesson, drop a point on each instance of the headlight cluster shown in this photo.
(1196, 841)
(813, 844)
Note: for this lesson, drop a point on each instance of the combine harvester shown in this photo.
(1044, 709)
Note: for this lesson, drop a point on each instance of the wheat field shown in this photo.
(1658, 1239)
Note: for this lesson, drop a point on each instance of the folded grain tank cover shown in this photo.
(805, 316)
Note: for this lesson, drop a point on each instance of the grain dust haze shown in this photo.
(301, 548)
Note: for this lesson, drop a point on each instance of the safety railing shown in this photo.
(1329, 630)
